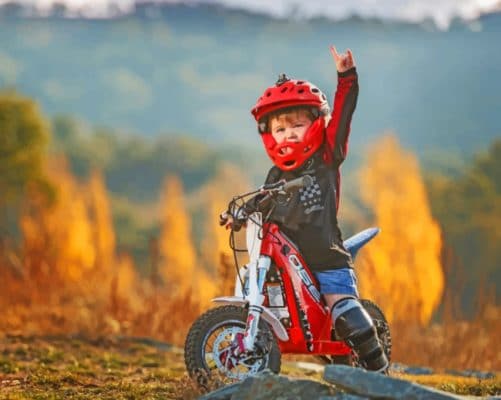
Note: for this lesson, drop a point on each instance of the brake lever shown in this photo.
(223, 218)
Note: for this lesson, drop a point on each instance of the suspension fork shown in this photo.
(257, 278)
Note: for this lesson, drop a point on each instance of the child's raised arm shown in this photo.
(345, 101)
(343, 61)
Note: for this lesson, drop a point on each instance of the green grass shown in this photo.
(69, 368)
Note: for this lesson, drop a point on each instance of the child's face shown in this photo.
(290, 127)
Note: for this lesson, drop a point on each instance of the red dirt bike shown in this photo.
(277, 307)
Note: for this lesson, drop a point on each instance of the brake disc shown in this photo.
(227, 361)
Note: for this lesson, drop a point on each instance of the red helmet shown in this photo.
(291, 93)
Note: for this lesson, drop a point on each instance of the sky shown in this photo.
(441, 11)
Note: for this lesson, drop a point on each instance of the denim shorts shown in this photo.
(338, 281)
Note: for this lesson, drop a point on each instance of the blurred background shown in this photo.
(125, 129)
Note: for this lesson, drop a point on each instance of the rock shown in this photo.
(223, 393)
(472, 373)
(267, 385)
(412, 370)
(398, 367)
(373, 384)
(343, 396)
(418, 371)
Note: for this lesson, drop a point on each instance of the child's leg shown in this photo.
(351, 322)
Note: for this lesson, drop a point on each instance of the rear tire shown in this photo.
(208, 344)
(382, 326)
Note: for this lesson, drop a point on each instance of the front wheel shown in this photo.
(211, 350)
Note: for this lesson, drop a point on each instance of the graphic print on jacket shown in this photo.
(311, 197)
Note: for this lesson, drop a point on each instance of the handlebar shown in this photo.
(269, 190)
(298, 183)
(285, 187)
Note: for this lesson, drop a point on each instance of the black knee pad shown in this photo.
(354, 325)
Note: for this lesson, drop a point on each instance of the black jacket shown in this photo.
(309, 216)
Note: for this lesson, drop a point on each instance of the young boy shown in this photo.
(302, 137)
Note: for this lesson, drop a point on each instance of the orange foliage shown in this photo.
(216, 252)
(127, 280)
(176, 246)
(61, 235)
(103, 232)
(68, 278)
(401, 269)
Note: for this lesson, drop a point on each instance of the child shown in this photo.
(302, 137)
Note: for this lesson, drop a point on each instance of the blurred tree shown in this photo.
(24, 134)
(469, 210)
(65, 129)
(402, 269)
(58, 241)
(85, 148)
(176, 246)
(100, 214)
(133, 166)
(216, 253)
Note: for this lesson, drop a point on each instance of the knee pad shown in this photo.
(354, 325)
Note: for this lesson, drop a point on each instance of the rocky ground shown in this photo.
(134, 368)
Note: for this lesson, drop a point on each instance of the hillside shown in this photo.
(196, 70)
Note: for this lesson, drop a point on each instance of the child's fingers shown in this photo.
(334, 52)
(350, 55)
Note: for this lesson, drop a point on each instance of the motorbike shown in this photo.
(276, 307)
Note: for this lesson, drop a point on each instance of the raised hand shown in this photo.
(344, 61)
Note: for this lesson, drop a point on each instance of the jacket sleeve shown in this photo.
(338, 129)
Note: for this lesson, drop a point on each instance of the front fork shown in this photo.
(255, 297)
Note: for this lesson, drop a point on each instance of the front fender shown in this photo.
(268, 316)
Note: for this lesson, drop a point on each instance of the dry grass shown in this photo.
(453, 344)
(45, 307)
(60, 368)
(65, 367)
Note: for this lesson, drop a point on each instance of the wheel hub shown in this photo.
(230, 357)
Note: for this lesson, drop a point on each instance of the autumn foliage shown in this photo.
(67, 276)
(71, 279)
(216, 252)
(178, 262)
(401, 269)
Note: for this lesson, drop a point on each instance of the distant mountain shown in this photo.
(440, 11)
(197, 70)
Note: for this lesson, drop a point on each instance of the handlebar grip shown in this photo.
(298, 183)
(223, 218)
(303, 181)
